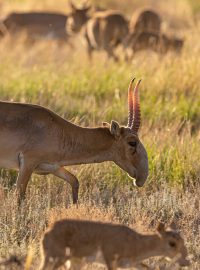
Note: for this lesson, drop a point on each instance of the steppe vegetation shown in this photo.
(63, 80)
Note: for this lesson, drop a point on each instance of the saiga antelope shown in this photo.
(160, 43)
(144, 30)
(104, 30)
(34, 139)
(117, 246)
(36, 25)
(145, 20)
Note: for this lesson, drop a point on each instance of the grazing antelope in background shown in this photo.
(77, 18)
(34, 139)
(104, 30)
(36, 25)
(160, 43)
(117, 246)
(145, 20)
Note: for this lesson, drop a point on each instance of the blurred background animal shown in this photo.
(103, 30)
(116, 246)
(145, 20)
(37, 25)
(157, 42)
(145, 33)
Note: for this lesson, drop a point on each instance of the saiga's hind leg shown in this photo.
(47, 265)
(110, 262)
(89, 52)
(77, 264)
(25, 170)
(88, 47)
(52, 264)
(111, 54)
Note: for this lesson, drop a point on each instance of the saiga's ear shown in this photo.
(86, 9)
(86, 6)
(172, 226)
(72, 6)
(115, 129)
(106, 124)
(161, 228)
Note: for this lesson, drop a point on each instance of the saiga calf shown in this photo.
(115, 245)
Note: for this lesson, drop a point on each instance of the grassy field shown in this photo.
(87, 93)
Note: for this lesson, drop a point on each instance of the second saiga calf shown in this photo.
(116, 246)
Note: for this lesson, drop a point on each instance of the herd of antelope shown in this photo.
(102, 29)
(34, 139)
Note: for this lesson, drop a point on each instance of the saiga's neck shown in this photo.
(87, 145)
(149, 246)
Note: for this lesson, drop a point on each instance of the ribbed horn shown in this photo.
(130, 103)
(136, 109)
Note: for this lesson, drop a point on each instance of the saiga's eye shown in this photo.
(133, 144)
(172, 244)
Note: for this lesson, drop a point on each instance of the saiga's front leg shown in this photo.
(71, 179)
(63, 174)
